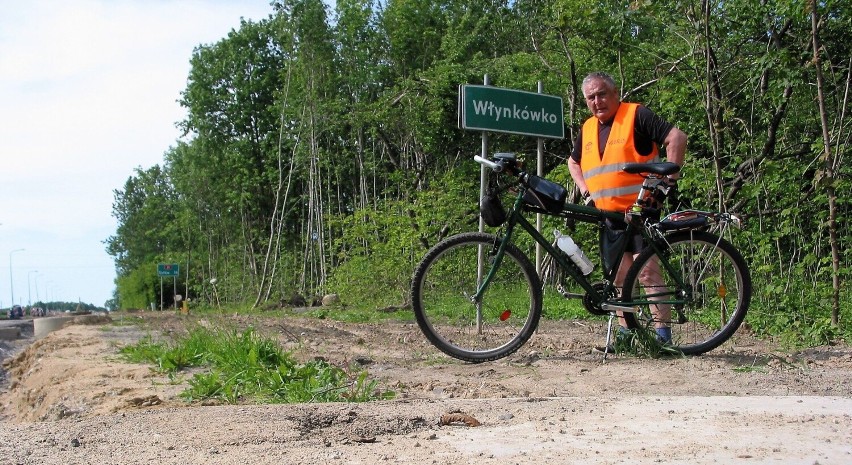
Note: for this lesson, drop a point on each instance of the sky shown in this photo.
(88, 93)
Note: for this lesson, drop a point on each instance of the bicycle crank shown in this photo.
(594, 307)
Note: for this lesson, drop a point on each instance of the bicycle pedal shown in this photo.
(568, 295)
(617, 308)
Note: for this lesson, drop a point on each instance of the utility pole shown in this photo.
(12, 281)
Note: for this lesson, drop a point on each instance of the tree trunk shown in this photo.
(827, 179)
(711, 105)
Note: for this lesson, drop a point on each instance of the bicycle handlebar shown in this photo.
(496, 167)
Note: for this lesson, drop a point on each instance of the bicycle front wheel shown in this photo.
(700, 287)
(443, 293)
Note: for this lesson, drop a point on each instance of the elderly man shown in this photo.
(617, 133)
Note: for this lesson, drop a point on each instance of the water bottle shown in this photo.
(567, 245)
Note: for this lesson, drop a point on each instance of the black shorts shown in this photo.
(612, 240)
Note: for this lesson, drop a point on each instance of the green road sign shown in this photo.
(488, 108)
(170, 270)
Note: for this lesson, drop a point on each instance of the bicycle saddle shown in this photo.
(662, 168)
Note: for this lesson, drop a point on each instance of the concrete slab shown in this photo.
(44, 326)
(14, 329)
(10, 333)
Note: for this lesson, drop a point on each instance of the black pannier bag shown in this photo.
(491, 210)
(545, 194)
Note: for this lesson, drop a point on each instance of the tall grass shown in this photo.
(247, 367)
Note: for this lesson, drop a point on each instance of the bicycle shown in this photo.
(477, 296)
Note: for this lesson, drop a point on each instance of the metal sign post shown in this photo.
(540, 172)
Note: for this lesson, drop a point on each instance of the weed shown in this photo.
(246, 367)
(643, 344)
(749, 369)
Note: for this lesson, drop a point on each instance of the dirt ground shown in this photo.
(68, 399)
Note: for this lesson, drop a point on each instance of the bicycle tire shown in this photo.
(717, 290)
(445, 282)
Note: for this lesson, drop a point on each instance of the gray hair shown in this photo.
(600, 75)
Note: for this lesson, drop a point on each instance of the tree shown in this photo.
(229, 169)
(147, 233)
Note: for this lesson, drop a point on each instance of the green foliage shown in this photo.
(323, 154)
(379, 248)
(144, 351)
(750, 369)
(247, 367)
(169, 358)
(556, 307)
(795, 312)
(376, 249)
(145, 212)
(413, 29)
(137, 287)
(642, 344)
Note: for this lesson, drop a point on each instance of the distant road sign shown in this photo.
(170, 270)
(488, 108)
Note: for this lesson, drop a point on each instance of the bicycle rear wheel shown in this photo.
(710, 305)
(445, 283)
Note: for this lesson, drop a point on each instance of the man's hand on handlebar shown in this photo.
(587, 199)
(673, 195)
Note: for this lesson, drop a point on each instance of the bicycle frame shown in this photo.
(583, 214)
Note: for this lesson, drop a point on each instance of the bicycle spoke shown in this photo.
(494, 324)
(714, 297)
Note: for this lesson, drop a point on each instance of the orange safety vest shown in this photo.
(611, 188)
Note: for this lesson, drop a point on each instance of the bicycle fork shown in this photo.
(482, 282)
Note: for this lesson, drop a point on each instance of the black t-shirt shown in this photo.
(647, 129)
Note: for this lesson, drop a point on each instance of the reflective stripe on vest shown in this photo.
(611, 188)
